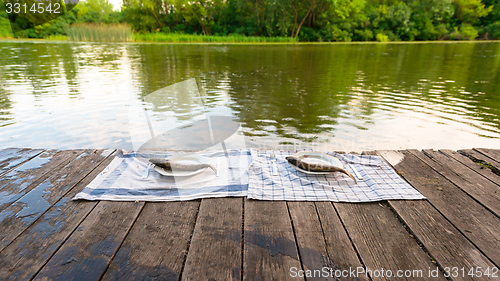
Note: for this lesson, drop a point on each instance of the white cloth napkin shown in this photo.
(122, 179)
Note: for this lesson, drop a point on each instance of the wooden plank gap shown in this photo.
(390, 204)
(477, 224)
(295, 237)
(87, 252)
(473, 165)
(121, 242)
(322, 229)
(26, 176)
(270, 249)
(64, 240)
(14, 163)
(393, 203)
(471, 183)
(162, 231)
(349, 236)
(482, 160)
(29, 252)
(403, 222)
(215, 251)
(491, 153)
(242, 238)
(190, 239)
(444, 243)
(53, 189)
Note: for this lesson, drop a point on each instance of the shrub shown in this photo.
(466, 32)
(441, 31)
(493, 30)
(5, 29)
(382, 37)
(364, 35)
(166, 29)
(340, 35)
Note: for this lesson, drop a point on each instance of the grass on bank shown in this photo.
(123, 33)
(194, 38)
(57, 37)
(99, 32)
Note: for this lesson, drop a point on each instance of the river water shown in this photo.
(349, 97)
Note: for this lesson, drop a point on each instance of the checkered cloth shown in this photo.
(380, 181)
(122, 179)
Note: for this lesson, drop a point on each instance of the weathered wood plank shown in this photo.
(440, 238)
(22, 213)
(156, 247)
(466, 179)
(478, 155)
(492, 153)
(23, 178)
(382, 241)
(87, 252)
(11, 157)
(311, 241)
(474, 221)
(25, 256)
(338, 244)
(485, 172)
(215, 250)
(270, 250)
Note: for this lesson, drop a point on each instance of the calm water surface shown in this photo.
(343, 97)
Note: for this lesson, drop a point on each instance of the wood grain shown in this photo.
(215, 250)
(25, 256)
(27, 209)
(477, 186)
(474, 221)
(23, 178)
(270, 250)
(382, 241)
(480, 156)
(50, 237)
(491, 153)
(87, 252)
(338, 244)
(440, 238)
(485, 172)
(157, 244)
(310, 237)
(11, 157)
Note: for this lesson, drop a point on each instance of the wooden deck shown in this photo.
(46, 236)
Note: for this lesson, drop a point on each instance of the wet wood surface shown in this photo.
(44, 235)
(215, 249)
(270, 250)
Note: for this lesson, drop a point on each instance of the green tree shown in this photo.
(470, 11)
(398, 18)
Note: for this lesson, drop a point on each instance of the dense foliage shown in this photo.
(305, 20)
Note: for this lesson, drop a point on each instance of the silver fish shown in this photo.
(172, 165)
(317, 167)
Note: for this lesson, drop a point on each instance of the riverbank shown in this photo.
(62, 38)
(83, 34)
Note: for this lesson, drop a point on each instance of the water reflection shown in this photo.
(357, 96)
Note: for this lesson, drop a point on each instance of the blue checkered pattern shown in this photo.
(380, 181)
